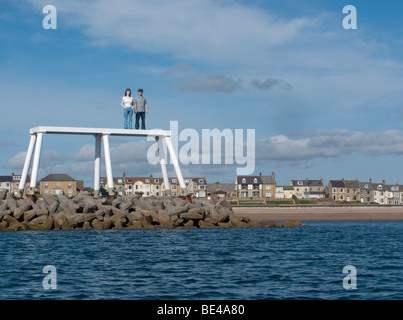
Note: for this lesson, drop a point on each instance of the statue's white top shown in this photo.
(96, 131)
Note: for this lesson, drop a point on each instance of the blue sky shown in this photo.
(325, 102)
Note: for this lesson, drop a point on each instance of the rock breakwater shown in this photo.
(83, 212)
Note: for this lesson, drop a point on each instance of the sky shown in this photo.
(323, 101)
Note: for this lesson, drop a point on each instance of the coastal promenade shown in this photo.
(322, 213)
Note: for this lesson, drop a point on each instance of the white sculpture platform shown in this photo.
(35, 146)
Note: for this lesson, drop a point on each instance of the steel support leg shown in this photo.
(176, 166)
(28, 159)
(97, 165)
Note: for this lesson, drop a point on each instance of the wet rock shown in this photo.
(194, 216)
(290, 224)
(273, 224)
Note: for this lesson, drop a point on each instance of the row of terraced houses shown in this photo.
(246, 187)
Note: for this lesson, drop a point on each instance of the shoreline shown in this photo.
(321, 213)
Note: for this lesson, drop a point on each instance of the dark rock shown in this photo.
(46, 225)
(66, 225)
(48, 199)
(3, 194)
(19, 213)
(12, 204)
(17, 226)
(273, 224)
(134, 216)
(38, 220)
(177, 211)
(85, 217)
(3, 226)
(194, 216)
(97, 225)
(29, 215)
(86, 226)
(203, 224)
(290, 224)
(189, 224)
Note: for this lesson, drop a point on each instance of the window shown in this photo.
(394, 188)
(300, 183)
(244, 194)
(379, 187)
(348, 190)
(243, 180)
(297, 189)
(174, 187)
(244, 187)
(120, 180)
(57, 184)
(201, 180)
(157, 187)
(255, 187)
(396, 201)
(174, 180)
(268, 187)
(255, 193)
(157, 180)
(147, 180)
(255, 180)
(202, 187)
(268, 194)
(396, 195)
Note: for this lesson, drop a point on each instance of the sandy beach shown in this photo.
(361, 213)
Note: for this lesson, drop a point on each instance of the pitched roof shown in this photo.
(365, 185)
(249, 179)
(58, 177)
(337, 183)
(214, 187)
(6, 178)
(351, 184)
(307, 183)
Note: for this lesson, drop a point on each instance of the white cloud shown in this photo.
(329, 144)
(197, 29)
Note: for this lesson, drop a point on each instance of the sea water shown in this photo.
(224, 264)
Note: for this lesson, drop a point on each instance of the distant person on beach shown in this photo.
(140, 109)
(127, 104)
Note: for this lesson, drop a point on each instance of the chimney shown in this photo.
(370, 180)
(260, 174)
(383, 181)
